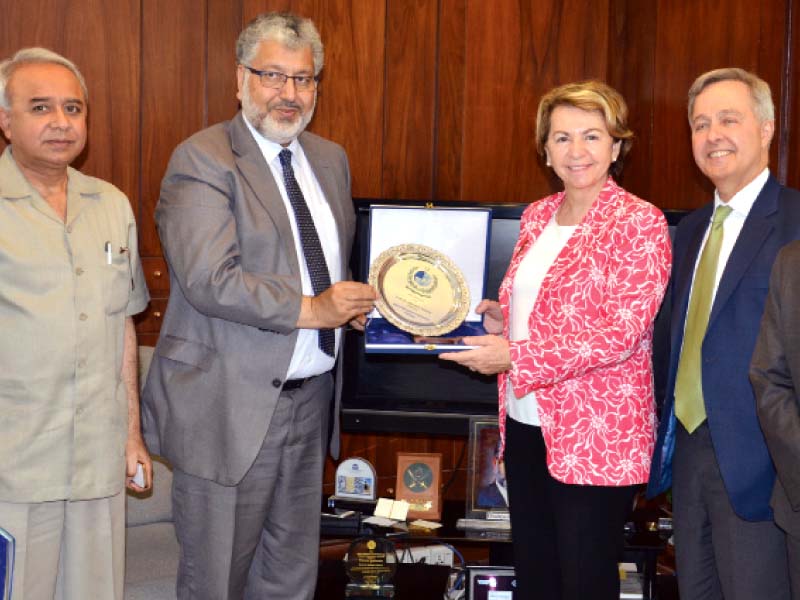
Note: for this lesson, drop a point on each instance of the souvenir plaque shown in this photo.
(418, 481)
(420, 290)
(370, 565)
(355, 480)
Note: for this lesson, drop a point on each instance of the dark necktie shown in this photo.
(309, 240)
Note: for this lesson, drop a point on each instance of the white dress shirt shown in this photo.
(307, 360)
(741, 203)
(524, 292)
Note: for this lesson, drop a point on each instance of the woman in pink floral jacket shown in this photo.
(572, 344)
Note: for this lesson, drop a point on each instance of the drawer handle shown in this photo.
(157, 314)
(156, 273)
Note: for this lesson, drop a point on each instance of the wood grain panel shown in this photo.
(224, 26)
(173, 95)
(109, 61)
(156, 276)
(632, 24)
(515, 52)
(410, 99)
(789, 165)
(150, 320)
(733, 33)
(450, 82)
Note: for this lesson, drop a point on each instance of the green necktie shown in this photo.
(689, 405)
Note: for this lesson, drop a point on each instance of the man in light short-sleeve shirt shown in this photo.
(71, 281)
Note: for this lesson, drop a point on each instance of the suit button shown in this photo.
(277, 383)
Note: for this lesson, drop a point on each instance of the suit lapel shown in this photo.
(757, 228)
(256, 172)
(685, 273)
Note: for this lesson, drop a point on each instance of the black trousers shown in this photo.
(567, 539)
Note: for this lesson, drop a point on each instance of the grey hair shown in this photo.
(763, 106)
(34, 55)
(285, 28)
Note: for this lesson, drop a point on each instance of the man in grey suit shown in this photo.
(775, 374)
(256, 221)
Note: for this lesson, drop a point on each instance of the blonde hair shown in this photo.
(593, 96)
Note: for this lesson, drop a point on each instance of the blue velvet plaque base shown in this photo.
(380, 336)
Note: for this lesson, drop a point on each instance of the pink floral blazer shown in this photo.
(588, 354)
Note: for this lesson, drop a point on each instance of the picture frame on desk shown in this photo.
(487, 497)
(419, 482)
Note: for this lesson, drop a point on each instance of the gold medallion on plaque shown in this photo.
(420, 290)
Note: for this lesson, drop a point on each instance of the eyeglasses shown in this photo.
(276, 80)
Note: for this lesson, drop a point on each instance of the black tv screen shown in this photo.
(420, 393)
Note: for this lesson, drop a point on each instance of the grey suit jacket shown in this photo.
(775, 374)
(229, 330)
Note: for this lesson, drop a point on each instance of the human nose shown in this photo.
(576, 147)
(59, 120)
(288, 90)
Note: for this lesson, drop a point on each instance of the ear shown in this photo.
(240, 73)
(615, 150)
(5, 123)
(767, 131)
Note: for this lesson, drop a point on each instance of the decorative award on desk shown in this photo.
(418, 481)
(370, 565)
(355, 480)
(420, 290)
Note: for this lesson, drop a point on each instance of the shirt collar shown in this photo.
(14, 185)
(268, 148)
(744, 199)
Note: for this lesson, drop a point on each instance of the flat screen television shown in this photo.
(420, 393)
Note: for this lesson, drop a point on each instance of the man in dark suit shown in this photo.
(710, 447)
(256, 221)
(775, 374)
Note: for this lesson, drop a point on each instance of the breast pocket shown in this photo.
(118, 282)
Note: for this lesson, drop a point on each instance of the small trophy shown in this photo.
(370, 564)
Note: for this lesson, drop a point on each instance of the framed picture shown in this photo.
(419, 478)
(487, 495)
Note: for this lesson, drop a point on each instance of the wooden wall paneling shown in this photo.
(789, 165)
(450, 82)
(109, 61)
(224, 26)
(515, 53)
(409, 99)
(689, 41)
(173, 95)
(631, 62)
(252, 8)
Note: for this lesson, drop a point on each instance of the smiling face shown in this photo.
(280, 115)
(46, 121)
(730, 145)
(580, 149)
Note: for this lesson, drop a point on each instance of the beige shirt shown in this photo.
(65, 291)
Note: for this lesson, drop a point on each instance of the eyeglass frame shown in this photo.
(286, 78)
